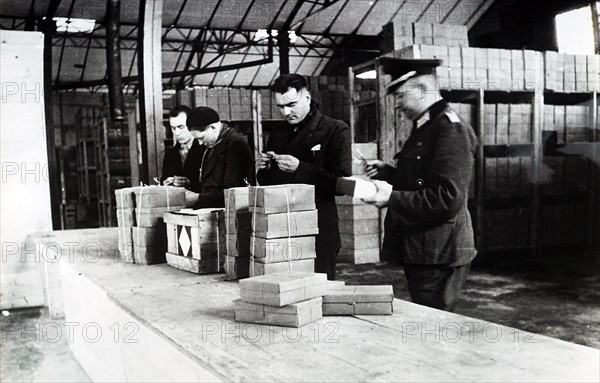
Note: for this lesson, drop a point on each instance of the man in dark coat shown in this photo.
(428, 227)
(182, 162)
(313, 149)
(226, 158)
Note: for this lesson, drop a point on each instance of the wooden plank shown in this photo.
(483, 117)
(133, 148)
(206, 335)
(150, 71)
(537, 106)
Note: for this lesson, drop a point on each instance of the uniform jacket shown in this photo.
(172, 164)
(427, 220)
(229, 164)
(323, 148)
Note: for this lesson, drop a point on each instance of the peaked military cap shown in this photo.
(403, 69)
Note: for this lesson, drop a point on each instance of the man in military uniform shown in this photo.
(428, 227)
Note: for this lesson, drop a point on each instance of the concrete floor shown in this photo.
(560, 301)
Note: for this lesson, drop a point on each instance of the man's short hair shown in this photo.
(286, 81)
(176, 111)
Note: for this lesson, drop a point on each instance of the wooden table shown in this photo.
(151, 323)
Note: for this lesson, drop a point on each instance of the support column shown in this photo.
(113, 60)
(283, 43)
(48, 28)
(150, 83)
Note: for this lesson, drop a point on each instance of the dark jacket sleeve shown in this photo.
(238, 166)
(170, 165)
(450, 173)
(337, 162)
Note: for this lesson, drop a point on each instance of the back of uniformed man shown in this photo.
(428, 227)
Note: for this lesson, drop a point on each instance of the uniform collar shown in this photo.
(430, 113)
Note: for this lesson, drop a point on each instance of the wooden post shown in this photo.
(593, 220)
(257, 132)
(480, 171)
(351, 79)
(149, 69)
(596, 29)
(538, 147)
(283, 43)
(48, 27)
(133, 148)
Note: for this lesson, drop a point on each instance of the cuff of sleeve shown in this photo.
(302, 174)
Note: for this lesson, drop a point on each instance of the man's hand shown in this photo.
(382, 197)
(168, 181)
(263, 160)
(287, 163)
(181, 181)
(373, 167)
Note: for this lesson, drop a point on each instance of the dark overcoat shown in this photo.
(427, 220)
(229, 164)
(324, 151)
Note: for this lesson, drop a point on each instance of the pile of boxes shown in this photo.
(238, 225)
(196, 240)
(397, 35)
(284, 227)
(359, 231)
(142, 237)
(508, 70)
(290, 299)
(340, 299)
(294, 299)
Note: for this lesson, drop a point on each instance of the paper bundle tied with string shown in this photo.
(142, 236)
(125, 203)
(358, 300)
(149, 235)
(290, 299)
(282, 198)
(196, 240)
(237, 227)
(284, 228)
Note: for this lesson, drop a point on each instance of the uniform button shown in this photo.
(420, 182)
(419, 144)
(418, 157)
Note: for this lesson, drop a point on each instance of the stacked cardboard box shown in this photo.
(397, 35)
(139, 217)
(284, 226)
(125, 202)
(237, 228)
(359, 231)
(290, 299)
(358, 300)
(196, 240)
(508, 70)
(149, 235)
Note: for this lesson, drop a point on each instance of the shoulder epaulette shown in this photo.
(452, 116)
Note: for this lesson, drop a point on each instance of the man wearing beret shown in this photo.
(313, 149)
(226, 158)
(428, 227)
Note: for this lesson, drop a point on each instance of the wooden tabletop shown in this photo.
(416, 343)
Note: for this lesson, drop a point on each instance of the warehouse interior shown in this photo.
(108, 72)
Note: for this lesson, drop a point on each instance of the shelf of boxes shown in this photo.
(87, 209)
(544, 92)
(113, 167)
